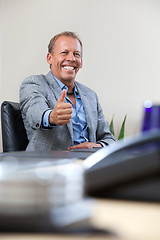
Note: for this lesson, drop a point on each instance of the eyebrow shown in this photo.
(65, 49)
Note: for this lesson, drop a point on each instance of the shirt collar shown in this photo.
(63, 86)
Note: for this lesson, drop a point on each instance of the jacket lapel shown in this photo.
(88, 107)
(53, 85)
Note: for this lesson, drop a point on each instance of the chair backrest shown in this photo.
(14, 137)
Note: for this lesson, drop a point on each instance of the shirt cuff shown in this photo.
(45, 119)
(103, 144)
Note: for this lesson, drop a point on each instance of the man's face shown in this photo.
(66, 59)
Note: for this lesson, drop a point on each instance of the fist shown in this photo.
(62, 112)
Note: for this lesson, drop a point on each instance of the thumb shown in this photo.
(62, 97)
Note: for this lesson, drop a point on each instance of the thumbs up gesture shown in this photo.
(62, 112)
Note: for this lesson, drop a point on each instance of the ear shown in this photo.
(49, 58)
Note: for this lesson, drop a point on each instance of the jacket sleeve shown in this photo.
(33, 102)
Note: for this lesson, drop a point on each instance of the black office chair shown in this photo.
(14, 137)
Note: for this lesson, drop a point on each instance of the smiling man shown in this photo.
(58, 112)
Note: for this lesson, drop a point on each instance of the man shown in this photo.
(58, 112)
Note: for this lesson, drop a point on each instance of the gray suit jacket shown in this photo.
(41, 92)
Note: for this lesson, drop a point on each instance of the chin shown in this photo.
(69, 79)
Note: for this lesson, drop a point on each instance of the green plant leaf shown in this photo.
(121, 133)
(111, 127)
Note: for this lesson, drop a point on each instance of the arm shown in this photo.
(85, 145)
(34, 101)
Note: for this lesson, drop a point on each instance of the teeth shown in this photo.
(68, 68)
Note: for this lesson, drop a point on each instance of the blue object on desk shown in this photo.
(151, 119)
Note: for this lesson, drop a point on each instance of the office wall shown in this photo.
(121, 49)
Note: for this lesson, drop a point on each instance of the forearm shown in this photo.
(85, 145)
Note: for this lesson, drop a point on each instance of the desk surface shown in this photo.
(127, 220)
(76, 153)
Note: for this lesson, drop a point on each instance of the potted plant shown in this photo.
(122, 129)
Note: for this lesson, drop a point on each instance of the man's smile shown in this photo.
(67, 67)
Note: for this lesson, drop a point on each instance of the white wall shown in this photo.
(121, 41)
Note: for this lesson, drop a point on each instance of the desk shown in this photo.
(128, 220)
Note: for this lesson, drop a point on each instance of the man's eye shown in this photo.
(77, 54)
(64, 53)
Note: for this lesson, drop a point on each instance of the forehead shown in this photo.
(70, 43)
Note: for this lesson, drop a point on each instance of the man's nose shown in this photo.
(71, 57)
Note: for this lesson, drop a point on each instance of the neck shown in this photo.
(70, 86)
(70, 93)
(68, 83)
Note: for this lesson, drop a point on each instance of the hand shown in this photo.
(62, 112)
(85, 145)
